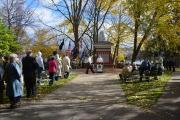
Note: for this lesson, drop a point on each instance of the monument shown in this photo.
(103, 49)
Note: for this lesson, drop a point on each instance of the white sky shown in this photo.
(47, 2)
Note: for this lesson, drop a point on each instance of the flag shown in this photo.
(69, 46)
(61, 45)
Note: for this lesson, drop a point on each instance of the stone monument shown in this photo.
(103, 49)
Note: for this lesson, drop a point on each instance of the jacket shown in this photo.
(66, 64)
(52, 66)
(14, 85)
(39, 60)
(29, 66)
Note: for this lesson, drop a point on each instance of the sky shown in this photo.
(45, 15)
(42, 14)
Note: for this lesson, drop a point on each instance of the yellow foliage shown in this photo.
(121, 57)
(46, 50)
(40, 44)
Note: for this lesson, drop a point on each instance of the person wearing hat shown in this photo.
(29, 67)
(14, 85)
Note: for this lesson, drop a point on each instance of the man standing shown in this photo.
(144, 67)
(66, 65)
(5, 62)
(1, 81)
(29, 71)
(89, 65)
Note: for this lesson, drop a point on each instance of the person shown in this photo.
(66, 65)
(4, 64)
(52, 69)
(126, 72)
(99, 62)
(99, 59)
(14, 85)
(1, 82)
(59, 65)
(30, 66)
(89, 65)
(145, 66)
(40, 62)
(172, 64)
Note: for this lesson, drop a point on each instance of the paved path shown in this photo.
(96, 97)
(88, 97)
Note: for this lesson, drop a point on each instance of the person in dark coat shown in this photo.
(1, 82)
(29, 66)
(14, 85)
(144, 67)
(3, 76)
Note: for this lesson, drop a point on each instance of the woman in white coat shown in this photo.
(66, 65)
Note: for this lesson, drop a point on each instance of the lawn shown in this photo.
(145, 94)
(178, 69)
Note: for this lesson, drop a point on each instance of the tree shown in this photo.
(17, 16)
(145, 15)
(165, 37)
(72, 11)
(45, 42)
(119, 31)
(169, 23)
(7, 42)
(98, 11)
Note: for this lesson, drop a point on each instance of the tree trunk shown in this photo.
(116, 52)
(76, 36)
(135, 42)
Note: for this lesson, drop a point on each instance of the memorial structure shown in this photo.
(103, 48)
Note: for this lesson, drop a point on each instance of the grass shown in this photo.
(178, 69)
(45, 89)
(145, 94)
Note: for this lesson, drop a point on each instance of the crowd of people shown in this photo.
(148, 68)
(16, 71)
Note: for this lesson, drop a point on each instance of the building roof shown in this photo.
(104, 43)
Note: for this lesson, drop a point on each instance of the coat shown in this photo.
(39, 60)
(52, 66)
(59, 65)
(14, 85)
(29, 66)
(66, 64)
